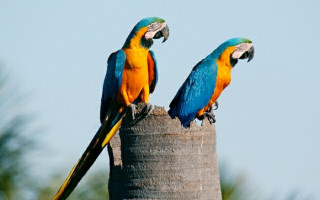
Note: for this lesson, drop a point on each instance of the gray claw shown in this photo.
(147, 109)
(133, 108)
(210, 116)
(216, 104)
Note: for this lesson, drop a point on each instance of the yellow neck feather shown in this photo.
(135, 42)
(224, 59)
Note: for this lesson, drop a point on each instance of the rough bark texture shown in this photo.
(154, 157)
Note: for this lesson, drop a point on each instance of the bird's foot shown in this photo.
(132, 109)
(211, 117)
(147, 109)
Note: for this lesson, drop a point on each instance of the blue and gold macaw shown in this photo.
(207, 80)
(131, 76)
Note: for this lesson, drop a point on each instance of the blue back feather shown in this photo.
(196, 91)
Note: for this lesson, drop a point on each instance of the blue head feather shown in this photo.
(232, 42)
(142, 23)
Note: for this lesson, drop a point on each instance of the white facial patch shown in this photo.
(153, 29)
(240, 49)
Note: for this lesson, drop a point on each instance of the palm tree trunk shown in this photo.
(154, 157)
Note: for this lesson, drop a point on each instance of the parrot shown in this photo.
(131, 76)
(207, 80)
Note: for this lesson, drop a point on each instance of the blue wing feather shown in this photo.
(112, 80)
(195, 92)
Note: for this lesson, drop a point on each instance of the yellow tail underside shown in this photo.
(111, 133)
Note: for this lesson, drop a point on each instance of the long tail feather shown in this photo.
(103, 136)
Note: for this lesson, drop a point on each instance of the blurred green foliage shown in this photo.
(14, 145)
(93, 187)
(13, 173)
(233, 187)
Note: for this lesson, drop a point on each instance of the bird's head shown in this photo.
(146, 30)
(234, 49)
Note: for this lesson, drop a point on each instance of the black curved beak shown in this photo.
(163, 33)
(248, 54)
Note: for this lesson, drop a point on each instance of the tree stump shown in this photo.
(154, 157)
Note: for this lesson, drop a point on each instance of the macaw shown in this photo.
(131, 76)
(207, 80)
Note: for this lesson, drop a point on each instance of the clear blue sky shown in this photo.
(268, 121)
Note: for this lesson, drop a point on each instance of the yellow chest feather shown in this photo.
(135, 75)
(135, 53)
(223, 77)
(224, 73)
